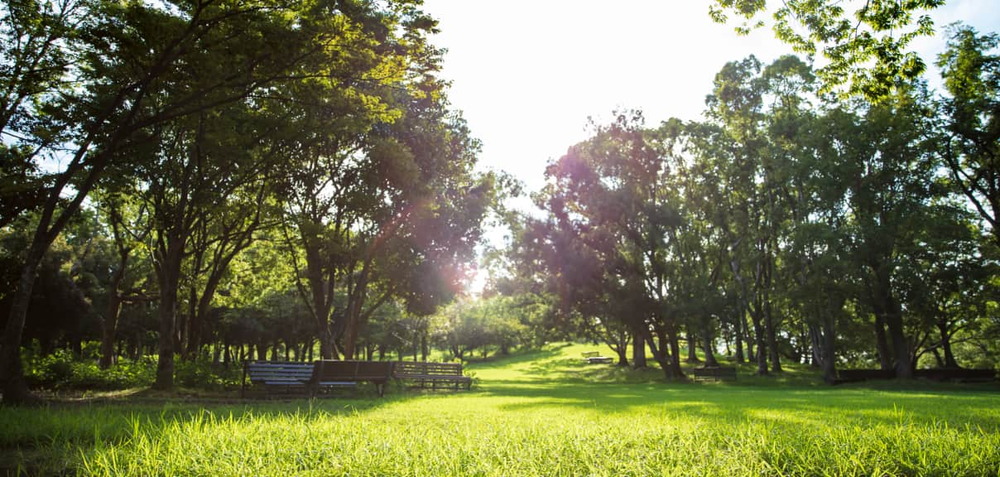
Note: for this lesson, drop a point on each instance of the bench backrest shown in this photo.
(416, 368)
(260, 371)
(331, 370)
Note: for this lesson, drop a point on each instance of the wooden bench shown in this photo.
(276, 376)
(331, 373)
(432, 375)
(715, 374)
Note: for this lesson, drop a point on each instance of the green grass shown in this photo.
(543, 413)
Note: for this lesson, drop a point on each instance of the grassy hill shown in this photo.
(539, 413)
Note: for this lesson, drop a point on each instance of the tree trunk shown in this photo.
(692, 345)
(882, 344)
(170, 251)
(738, 339)
(638, 352)
(900, 346)
(949, 356)
(675, 354)
(709, 350)
(772, 336)
(759, 337)
(15, 388)
(168, 312)
(622, 353)
(889, 315)
(109, 325)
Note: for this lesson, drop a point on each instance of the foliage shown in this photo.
(971, 144)
(866, 48)
(205, 375)
(61, 371)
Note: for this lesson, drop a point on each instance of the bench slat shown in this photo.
(376, 372)
(286, 376)
(430, 374)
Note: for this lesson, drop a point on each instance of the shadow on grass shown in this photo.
(970, 406)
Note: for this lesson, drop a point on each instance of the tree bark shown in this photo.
(638, 353)
(692, 346)
(772, 337)
(709, 350)
(109, 323)
(15, 388)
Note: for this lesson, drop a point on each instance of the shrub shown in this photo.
(63, 371)
(201, 374)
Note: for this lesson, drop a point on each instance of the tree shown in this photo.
(137, 67)
(887, 172)
(971, 143)
(866, 48)
(381, 193)
(612, 218)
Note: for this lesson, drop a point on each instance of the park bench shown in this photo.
(432, 375)
(330, 373)
(594, 357)
(715, 373)
(276, 376)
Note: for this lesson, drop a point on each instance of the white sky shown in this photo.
(528, 73)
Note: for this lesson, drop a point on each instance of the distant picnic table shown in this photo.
(594, 357)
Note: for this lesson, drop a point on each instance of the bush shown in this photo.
(206, 375)
(62, 371)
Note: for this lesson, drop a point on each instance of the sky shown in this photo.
(527, 74)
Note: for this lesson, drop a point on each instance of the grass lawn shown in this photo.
(544, 413)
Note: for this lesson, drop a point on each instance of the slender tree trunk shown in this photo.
(709, 350)
(887, 308)
(949, 356)
(772, 337)
(758, 331)
(15, 388)
(353, 317)
(638, 352)
(659, 354)
(622, 353)
(692, 346)
(675, 353)
(109, 323)
(738, 338)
